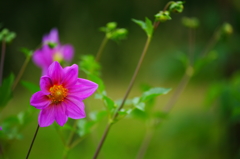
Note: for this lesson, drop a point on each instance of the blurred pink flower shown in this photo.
(44, 56)
(62, 94)
(0, 128)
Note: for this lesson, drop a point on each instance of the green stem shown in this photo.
(2, 61)
(124, 98)
(30, 148)
(68, 143)
(76, 142)
(181, 86)
(21, 71)
(134, 76)
(213, 40)
(102, 46)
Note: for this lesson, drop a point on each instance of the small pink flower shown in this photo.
(0, 128)
(44, 56)
(62, 94)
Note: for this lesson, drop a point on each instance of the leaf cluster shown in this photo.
(7, 36)
(114, 33)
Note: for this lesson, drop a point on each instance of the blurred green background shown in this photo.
(195, 129)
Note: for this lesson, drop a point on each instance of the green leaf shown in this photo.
(30, 86)
(84, 127)
(6, 90)
(109, 103)
(147, 26)
(153, 93)
(89, 64)
(26, 51)
(139, 114)
(97, 116)
(140, 23)
(138, 104)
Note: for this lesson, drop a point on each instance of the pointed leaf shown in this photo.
(30, 86)
(149, 27)
(153, 93)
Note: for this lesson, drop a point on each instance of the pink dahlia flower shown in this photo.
(62, 94)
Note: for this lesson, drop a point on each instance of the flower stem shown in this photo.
(2, 60)
(124, 98)
(133, 77)
(21, 71)
(181, 86)
(102, 140)
(102, 46)
(68, 143)
(30, 148)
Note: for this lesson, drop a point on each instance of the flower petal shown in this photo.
(46, 116)
(70, 75)
(83, 88)
(45, 84)
(75, 108)
(55, 72)
(68, 52)
(60, 116)
(42, 57)
(39, 100)
(52, 37)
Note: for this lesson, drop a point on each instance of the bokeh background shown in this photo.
(195, 129)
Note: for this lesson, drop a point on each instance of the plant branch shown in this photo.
(30, 148)
(102, 140)
(170, 104)
(21, 71)
(102, 46)
(124, 98)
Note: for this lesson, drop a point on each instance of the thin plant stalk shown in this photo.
(101, 48)
(30, 148)
(2, 60)
(170, 104)
(69, 141)
(125, 97)
(23, 68)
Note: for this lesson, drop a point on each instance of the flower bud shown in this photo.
(176, 7)
(163, 16)
(111, 25)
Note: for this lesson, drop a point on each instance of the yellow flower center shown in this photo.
(58, 93)
(58, 57)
